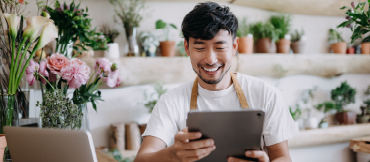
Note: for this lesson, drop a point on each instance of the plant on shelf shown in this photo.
(265, 36)
(128, 12)
(337, 42)
(296, 114)
(154, 97)
(109, 33)
(367, 99)
(282, 23)
(149, 44)
(298, 41)
(245, 35)
(325, 108)
(167, 46)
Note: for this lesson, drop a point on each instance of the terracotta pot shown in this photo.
(3, 145)
(365, 48)
(245, 45)
(346, 117)
(297, 47)
(168, 48)
(264, 45)
(340, 47)
(351, 50)
(283, 46)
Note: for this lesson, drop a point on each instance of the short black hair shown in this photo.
(207, 19)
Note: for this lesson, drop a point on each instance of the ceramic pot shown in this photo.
(363, 118)
(265, 45)
(324, 124)
(168, 48)
(351, 50)
(339, 48)
(245, 45)
(346, 117)
(283, 46)
(297, 47)
(296, 124)
(3, 145)
(311, 123)
(112, 51)
(365, 48)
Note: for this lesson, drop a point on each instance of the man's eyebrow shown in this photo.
(199, 42)
(221, 42)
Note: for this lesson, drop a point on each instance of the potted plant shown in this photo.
(343, 95)
(129, 14)
(111, 34)
(363, 117)
(298, 41)
(357, 21)
(296, 114)
(325, 108)
(265, 36)
(282, 23)
(94, 41)
(245, 37)
(149, 44)
(337, 42)
(167, 47)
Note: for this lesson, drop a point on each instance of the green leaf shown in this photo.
(160, 24)
(173, 26)
(346, 23)
(367, 39)
(344, 7)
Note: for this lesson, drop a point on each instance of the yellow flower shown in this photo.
(13, 21)
(34, 24)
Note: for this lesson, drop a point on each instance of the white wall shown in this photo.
(316, 27)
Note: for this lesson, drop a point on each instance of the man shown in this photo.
(211, 42)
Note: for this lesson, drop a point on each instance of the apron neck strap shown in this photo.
(239, 92)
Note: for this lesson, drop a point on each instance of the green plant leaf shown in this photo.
(346, 23)
(160, 24)
(173, 26)
(345, 7)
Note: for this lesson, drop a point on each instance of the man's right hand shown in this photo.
(186, 151)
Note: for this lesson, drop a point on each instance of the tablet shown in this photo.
(234, 132)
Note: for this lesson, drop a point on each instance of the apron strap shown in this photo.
(239, 92)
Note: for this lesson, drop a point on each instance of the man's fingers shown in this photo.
(185, 137)
(199, 144)
(185, 130)
(232, 159)
(260, 155)
(194, 155)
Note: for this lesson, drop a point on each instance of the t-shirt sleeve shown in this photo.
(279, 125)
(162, 122)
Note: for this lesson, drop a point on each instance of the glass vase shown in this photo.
(8, 111)
(65, 49)
(84, 121)
(133, 47)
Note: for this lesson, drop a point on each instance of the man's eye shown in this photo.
(199, 48)
(220, 48)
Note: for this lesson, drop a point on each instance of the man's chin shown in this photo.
(210, 80)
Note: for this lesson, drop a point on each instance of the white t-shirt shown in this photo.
(170, 113)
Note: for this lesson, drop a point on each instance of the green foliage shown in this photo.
(244, 28)
(265, 30)
(357, 21)
(343, 95)
(154, 97)
(88, 93)
(128, 11)
(296, 35)
(97, 40)
(116, 155)
(334, 37)
(109, 33)
(281, 22)
(160, 24)
(296, 113)
(327, 106)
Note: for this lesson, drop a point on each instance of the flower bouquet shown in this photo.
(58, 73)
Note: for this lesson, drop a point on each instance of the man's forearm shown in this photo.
(164, 155)
(282, 159)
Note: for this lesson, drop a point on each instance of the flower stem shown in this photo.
(26, 65)
(45, 80)
(92, 76)
(20, 63)
(17, 59)
(11, 81)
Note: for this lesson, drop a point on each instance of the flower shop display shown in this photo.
(282, 23)
(338, 45)
(298, 41)
(58, 73)
(245, 35)
(168, 48)
(149, 44)
(265, 36)
(129, 14)
(113, 48)
(358, 22)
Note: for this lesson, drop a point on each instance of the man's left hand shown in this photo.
(260, 155)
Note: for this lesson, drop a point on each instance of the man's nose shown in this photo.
(211, 57)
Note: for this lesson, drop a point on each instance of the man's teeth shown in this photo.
(210, 70)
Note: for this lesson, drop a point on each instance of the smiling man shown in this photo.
(211, 42)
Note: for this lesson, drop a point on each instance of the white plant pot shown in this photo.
(362, 157)
(296, 124)
(310, 123)
(112, 51)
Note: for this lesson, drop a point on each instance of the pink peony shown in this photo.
(56, 62)
(30, 72)
(76, 74)
(103, 64)
(113, 79)
(43, 71)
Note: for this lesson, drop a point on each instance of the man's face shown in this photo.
(211, 59)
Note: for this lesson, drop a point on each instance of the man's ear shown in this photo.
(186, 46)
(235, 45)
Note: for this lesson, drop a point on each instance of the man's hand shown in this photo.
(260, 155)
(186, 151)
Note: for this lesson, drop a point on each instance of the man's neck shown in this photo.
(223, 84)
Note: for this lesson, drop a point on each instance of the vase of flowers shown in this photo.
(58, 74)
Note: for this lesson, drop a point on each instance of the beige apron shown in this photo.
(239, 92)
